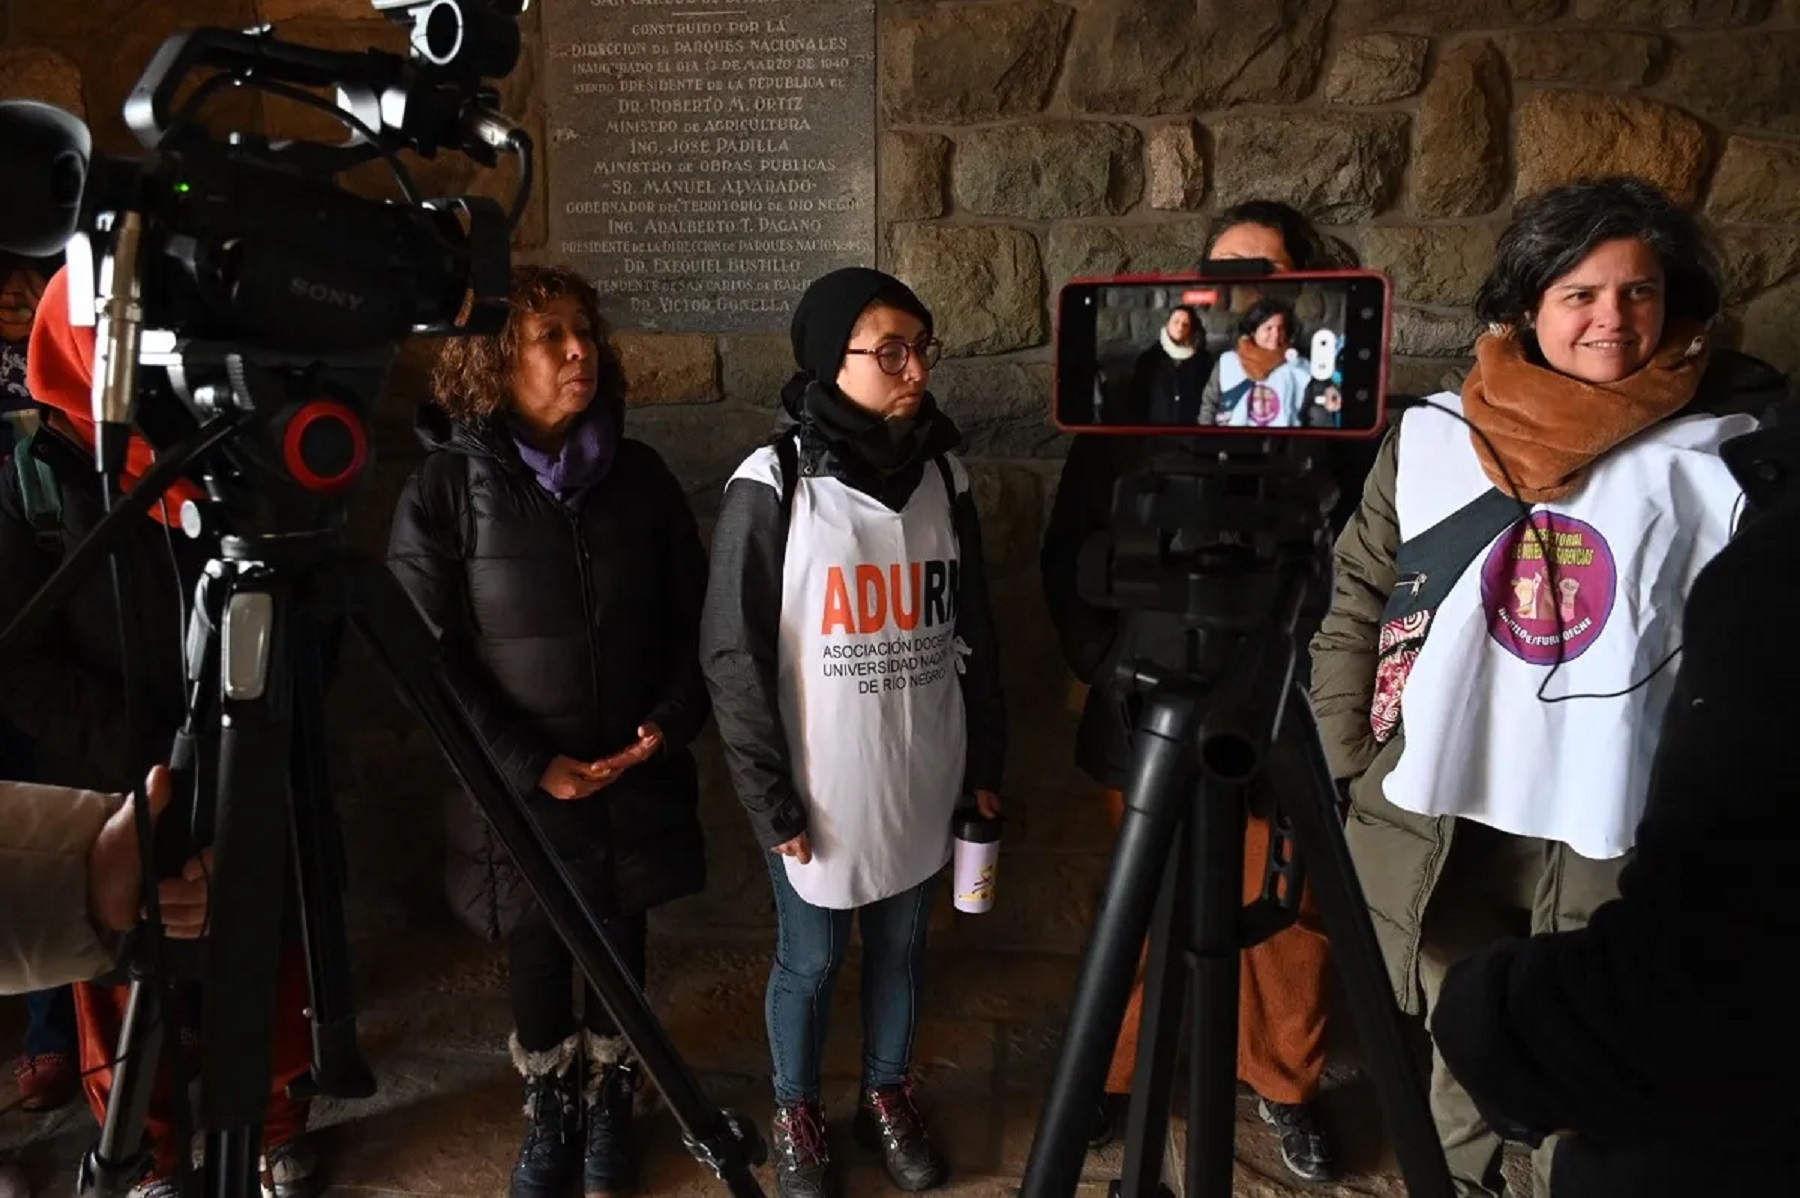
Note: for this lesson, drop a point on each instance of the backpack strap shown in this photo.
(787, 457)
(1429, 565)
(39, 494)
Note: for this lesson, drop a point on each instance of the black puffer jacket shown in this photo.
(566, 631)
(63, 689)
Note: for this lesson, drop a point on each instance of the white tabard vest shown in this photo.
(871, 700)
(1480, 744)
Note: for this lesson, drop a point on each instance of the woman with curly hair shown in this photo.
(563, 570)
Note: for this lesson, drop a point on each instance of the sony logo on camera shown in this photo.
(322, 293)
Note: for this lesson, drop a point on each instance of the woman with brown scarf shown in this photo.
(1496, 736)
(1261, 381)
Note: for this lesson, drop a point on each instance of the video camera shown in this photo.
(241, 267)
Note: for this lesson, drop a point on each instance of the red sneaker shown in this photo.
(47, 1081)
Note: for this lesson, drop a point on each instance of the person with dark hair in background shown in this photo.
(1497, 737)
(65, 690)
(854, 728)
(1282, 989)
(562, 569)
(1169, 377)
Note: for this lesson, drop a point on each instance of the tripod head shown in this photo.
(1213, 553)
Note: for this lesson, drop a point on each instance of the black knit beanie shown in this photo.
(827, 313)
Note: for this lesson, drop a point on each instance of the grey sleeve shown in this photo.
(46, 937)
(739, 636)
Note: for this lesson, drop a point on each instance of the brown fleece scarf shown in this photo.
(1258, 362)
(1549, 428)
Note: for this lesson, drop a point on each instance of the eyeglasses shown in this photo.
(892, 356)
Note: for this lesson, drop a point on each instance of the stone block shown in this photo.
(1131, 57)
(1565, 135)
(1738, 81)
(914, 168)
(1768, 328)
(1420, 333)
(34, 73)
(984, 285)
(1338, 167)
(1442, 264)
(1049, 171)
(1459, 140)
(1673, 14)
(702, 444)
(1444, 16)
(1010, 502)
(1420, 377)
(1377, 68)
(1176, 167)
(964, 64)
(1002, 408)
(753, 367)
(1098, 251)
(668, 368)
(1754, 260)
(1605, 58)
(1757, 182)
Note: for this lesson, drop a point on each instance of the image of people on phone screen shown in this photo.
(1262, 381)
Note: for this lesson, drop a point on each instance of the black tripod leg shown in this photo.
(112, 1165)
(1159, 1030)
(320, 872)
(1216, 837)
(1162, 784)
(1299, 775)
(252, 820)
(726, 1142)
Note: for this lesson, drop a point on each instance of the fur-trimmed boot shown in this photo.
(610, 1164)
(551, 1151)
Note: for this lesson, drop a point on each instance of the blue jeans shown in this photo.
(50, 1022)
(808, 951)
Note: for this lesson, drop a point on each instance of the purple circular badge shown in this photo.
(1541, 611)
(1265, 404)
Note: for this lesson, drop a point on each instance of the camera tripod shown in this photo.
(1232, 554)
(253, 786)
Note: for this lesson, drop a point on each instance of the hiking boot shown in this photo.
(1303, 1149)
(291, 1170)
(551, 1152)
(802, 1163)
(47, 1081)
(610, 1162)
(888, 1122)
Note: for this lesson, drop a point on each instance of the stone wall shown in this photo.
(1029, 141)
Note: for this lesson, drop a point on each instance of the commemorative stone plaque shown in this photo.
(709, 158)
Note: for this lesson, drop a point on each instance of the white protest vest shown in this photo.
(870, 696)
(1275, 402)
(1480, 744)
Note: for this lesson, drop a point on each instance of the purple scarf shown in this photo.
(582, 462)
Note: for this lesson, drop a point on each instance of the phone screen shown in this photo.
(1293, 354)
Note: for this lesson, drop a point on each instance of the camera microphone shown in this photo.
(47, 154)
(120, 313)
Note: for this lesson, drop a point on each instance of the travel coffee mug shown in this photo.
(976, 861)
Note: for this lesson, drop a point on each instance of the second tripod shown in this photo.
(1224, 724)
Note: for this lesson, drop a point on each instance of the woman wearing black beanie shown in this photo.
(851, 656)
